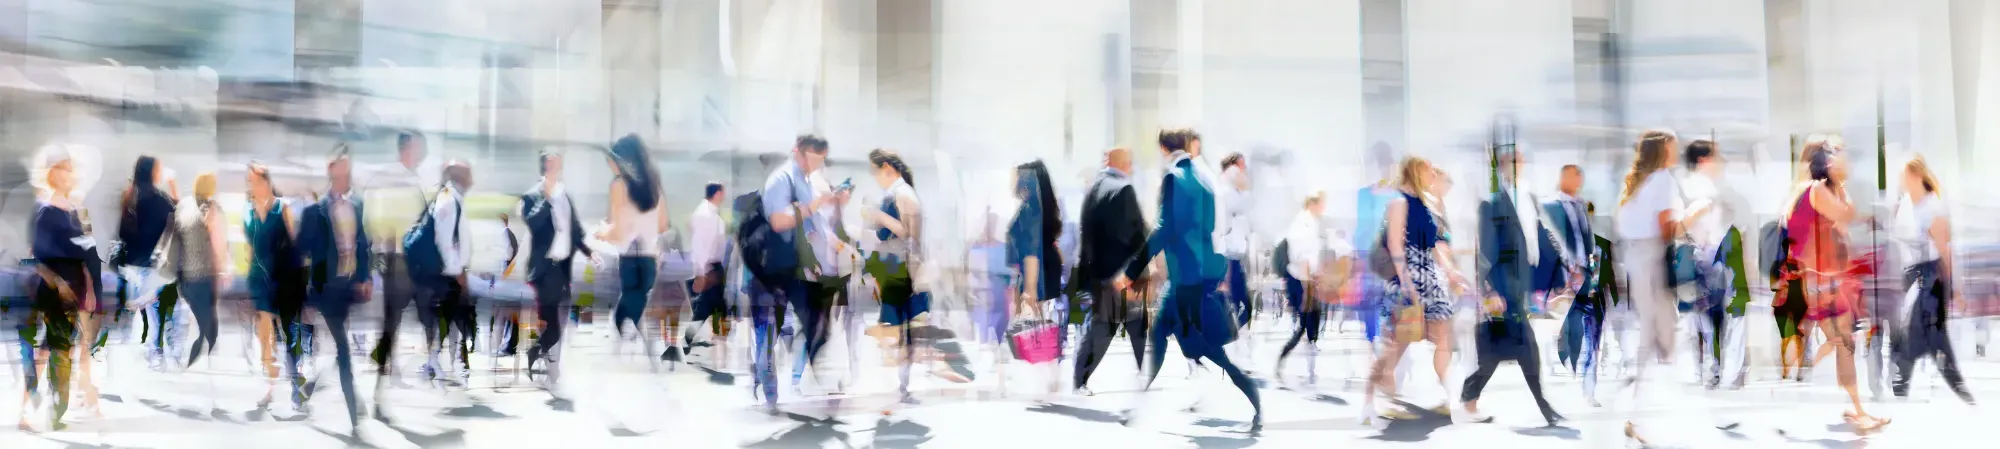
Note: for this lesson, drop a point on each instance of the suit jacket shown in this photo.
(1113, 228)
(1185, 232)
(1560, 219)
(322, 249)
(538, 213)
(1507, 272)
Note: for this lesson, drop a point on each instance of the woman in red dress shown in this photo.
(1817, 223)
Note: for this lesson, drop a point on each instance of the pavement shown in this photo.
(611, 395)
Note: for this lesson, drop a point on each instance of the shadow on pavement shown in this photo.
(900, 434)
(1096, 416)
(811, 432)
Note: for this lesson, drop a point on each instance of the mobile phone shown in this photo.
(845, 186)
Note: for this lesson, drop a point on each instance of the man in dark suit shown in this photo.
(1517, 257)
(1583, 324)
(337, 250)
(554, 236)
(1113, 234)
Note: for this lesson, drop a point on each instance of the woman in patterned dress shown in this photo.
(1415, 300)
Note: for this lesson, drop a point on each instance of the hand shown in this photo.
(364, 292)
(1495, 306)
(1410, 292)
(1120, 283)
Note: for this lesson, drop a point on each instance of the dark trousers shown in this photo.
(1311, 315)
(200, 296)
(1239, 292)
(1179, 316)
(399, 292)
(1924, 335)
(455, 310)
(813, 303)
(552, 292)
(636, 275)
(1109, 314)
(334, 302)
(1528, 356)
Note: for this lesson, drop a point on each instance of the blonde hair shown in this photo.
(1922, 170)
(204, 188)
(1316, 197)
(1410, 179)
(1651, 157)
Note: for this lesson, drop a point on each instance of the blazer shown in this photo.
(1503, 256)
(538, 213)
(1113, 228)
(1559, 219)
(1185, 232)
(322, 252)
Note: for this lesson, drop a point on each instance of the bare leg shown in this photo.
(267, 347)
(87, 341)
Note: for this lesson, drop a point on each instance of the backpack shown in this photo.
(769, 257)
(420, 251)
(1773, 246)
(1281, 258)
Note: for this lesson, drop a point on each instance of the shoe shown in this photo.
(672, 354)
(1084, 391)
(1554, 419)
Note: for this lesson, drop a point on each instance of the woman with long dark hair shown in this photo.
(634, 226)
(1031, 251)
(144, 215)
(66, 260)
(275, 279)
(1817, 224)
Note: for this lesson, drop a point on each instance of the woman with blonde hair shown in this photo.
(1649, 217)
(1929, 278)
(69, 267)
(196, 257)
(1416, 302)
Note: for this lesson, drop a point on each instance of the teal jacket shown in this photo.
(1185, 231)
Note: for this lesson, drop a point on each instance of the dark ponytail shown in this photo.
(880, 157)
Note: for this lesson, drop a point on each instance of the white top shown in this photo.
(560, 212)
(1529, 212)
(1708, 230)
(820, 229)
(456, 252)
(1638, 218)
(638, 231)
(1916, 233)
(1305, 242)
(1234, 223)
(706, 230)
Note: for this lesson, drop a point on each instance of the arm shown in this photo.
(1153, 242)
(614, 231)
(898, 226)
(308, 234)
(1397, 238)
(218, 241)
(291, 217)
(444, 213)
(1489, 252)
(1940, 231)
(1831, 204)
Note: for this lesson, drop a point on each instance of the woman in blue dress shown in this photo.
(274, 272)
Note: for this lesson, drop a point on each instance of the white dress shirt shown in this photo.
(820, 231)
(456, 252)
(1529, 213)
(1305, 241)
(558, 198)
(1708, 230)
(1235, 225)
(706, 230)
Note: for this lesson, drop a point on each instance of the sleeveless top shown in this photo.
(890, 243)
(1814, 242)
(640, 229)
(191, 256)
(270, 253)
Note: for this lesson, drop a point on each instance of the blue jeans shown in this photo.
(767, 310)
(1239, 291)
(636, 275)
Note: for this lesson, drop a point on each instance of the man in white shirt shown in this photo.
(706, 230)
(395, 199)
(1718, 320)
(548, 216)
(1305, 251)
(446, 293)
